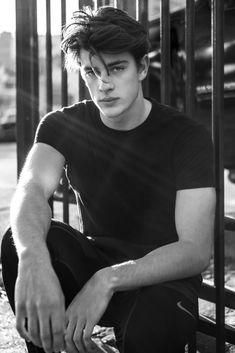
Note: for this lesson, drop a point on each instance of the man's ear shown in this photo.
(143, 67)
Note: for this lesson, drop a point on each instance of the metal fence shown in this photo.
(28, 114)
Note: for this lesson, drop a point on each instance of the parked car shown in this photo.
(8, 127)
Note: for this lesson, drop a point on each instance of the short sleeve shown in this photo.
(53, 130)
(193, 158)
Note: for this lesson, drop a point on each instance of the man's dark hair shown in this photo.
(108, 30)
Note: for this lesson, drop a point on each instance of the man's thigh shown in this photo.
(73, 256)
(153, 319)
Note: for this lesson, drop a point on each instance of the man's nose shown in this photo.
(105, 83)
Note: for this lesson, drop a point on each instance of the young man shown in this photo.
(142, 176)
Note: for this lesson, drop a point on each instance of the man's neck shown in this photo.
(131, 119)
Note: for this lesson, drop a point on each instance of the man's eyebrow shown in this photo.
(117, 62)
(87, 68)
(111, 64)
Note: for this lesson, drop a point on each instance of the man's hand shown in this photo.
(40, 311)
(85, 311)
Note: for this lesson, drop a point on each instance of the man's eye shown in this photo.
(90, 73)
(117, 68)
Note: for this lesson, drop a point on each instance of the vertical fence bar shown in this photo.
(49, 89)
(27, 88)
(165, 51)
(217, 31)
(64, 79)
(142, 17)
(190, 85)
(64, 102)
(49, 96)
(189, 49)
(35, 70)
(82, 89)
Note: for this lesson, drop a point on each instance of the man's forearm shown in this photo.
(170, 262)
(30, 218)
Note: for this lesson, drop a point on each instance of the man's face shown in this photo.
(115, 91)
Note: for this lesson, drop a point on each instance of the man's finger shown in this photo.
(33, 327)
(78, 338)
(21, 322)
(88, 343)
(69, 343)
(45, 332)
(58, 331)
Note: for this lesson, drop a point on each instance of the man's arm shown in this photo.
(38, 296)
(190, 255)
(30, 214)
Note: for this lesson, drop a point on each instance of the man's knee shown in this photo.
(156, 317)
(9, 265)
(8, 250)
(143, 338)
(59, 232)
(152, 340)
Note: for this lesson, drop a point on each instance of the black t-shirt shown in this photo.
(126, 181)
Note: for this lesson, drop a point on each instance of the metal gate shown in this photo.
(28, 111)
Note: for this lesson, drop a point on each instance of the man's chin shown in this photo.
(111, 113)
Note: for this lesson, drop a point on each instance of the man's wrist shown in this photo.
(34, 255)
(118, 277)
(108, 278)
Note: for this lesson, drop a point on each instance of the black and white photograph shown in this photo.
(117, 176)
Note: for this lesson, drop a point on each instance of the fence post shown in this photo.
(64, 103)
(190, 49)
(165, 52)
(142, 17)
(27, 89)
(49, 88)
(83, 91)
(217, 30)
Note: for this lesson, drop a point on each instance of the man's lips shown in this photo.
(108, 99)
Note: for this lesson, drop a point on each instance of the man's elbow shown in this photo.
(204, 258)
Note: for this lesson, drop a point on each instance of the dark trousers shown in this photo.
(153, 319)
